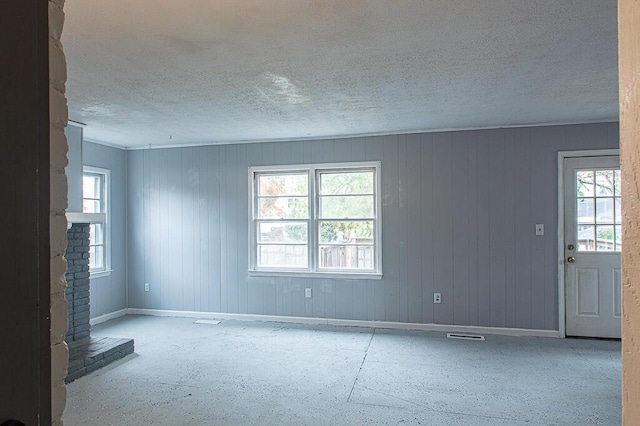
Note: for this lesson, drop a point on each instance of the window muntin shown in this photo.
(318, 218)
(94, 200)
(598, 210)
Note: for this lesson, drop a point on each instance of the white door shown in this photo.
(592, 244)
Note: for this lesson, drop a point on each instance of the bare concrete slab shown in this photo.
(269, 373)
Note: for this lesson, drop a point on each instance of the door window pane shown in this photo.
(604, 210)
(586, 238)
(584, 181)
(604, 238)
(586, 210)
(604, 183)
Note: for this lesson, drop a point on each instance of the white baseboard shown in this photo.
(349, 323)
(107, 317)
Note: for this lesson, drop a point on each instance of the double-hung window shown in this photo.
(94, 200)
(321, 218)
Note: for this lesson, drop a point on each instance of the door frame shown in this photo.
(561, 243)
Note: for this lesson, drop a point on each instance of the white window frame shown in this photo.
(106, 176)
(313, 269)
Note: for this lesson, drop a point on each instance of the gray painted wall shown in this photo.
(109, 294)
(458, 217)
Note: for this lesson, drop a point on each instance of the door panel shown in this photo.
(592, 244)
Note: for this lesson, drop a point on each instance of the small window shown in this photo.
(598, 210)
(317, 219)
(94, 200)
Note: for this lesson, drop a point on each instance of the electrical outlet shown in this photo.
(539, 229)
(437, 298)
(146, 286)
(307, 293)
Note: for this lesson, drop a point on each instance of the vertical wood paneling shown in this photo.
(427, 225)
(483, 219)
(443, 226)
(135, 241)
(187, 213)
(460, 240)
(414, 243)
(537, 255)
(175, 228)
(523, 233)
(458, 214)
(472, 219)
(510, 245)
(164, 199)
(203, 231)
(497, 234)
(390, 229)
(153, 246)
(215, 241)
(403, 231)
(242, 209)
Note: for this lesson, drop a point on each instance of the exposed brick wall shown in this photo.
(58, 116)
(77, 292)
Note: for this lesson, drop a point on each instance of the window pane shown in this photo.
(586, 210)
(360, 182)
(617, 182)
(285, 184)
(584, 183)
(96, 257)
(351, 232)
(282, 232)
(604, 210)
(283, 208)
(604, 238)
(91, 206)
(91, 186)
(96, 234)
(346, 207)
(618, 229)
(604, 182)
(618, 211)
(286, 256)
(586, 239)
(347, 257)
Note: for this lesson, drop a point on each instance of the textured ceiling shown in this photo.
(160, 72)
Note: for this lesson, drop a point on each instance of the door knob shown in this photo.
(571, 259)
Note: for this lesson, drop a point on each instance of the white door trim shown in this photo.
(561, 288)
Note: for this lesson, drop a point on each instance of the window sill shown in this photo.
(334, 275)
(100, 274)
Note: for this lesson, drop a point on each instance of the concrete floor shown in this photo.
(271, 373)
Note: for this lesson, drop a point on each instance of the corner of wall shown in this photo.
(58, 115)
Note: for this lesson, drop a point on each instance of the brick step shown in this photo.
(92, 353)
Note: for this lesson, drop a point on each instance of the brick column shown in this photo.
(77, 292)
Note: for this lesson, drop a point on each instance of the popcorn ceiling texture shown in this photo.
(629, 54)
(165, 72)
(58, 115)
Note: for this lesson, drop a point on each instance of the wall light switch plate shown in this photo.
(307, 293)
(539, 229)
